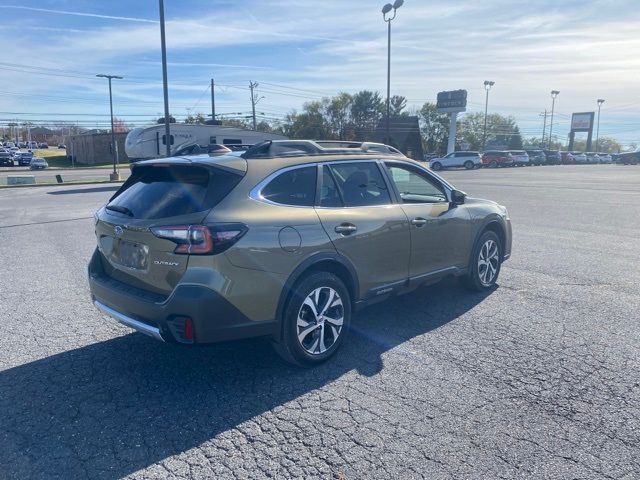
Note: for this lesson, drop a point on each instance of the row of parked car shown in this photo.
(511, 158)
(13, 156)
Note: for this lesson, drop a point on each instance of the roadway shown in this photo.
(537, 379)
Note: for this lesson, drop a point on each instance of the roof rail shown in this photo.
(294, 148)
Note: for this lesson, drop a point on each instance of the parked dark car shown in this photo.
(497, 158)
(62, 146)
(24, 159)
(6, 160)
(537, 157)
(43, 145)
(628, 158)
(553, 157)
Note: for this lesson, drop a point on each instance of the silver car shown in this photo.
(38, 163)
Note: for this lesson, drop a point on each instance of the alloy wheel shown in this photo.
(320, 320)
(488, 261)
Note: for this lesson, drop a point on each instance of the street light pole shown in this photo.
(385, 10)
(487, 86)
(163, 46)
(600, 102)
(554, 94)
(115, 176)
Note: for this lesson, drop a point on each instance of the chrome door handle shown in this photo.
(346, 228)
(419, 222)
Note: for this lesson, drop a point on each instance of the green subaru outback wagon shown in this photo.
(285, 240)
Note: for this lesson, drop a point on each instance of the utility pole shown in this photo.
(115, 176)
(385, 11)
(487, 86)
(165, 88)
(600, 102)
(544, 125)
(254, 101)
(554, 94)
(213, 101)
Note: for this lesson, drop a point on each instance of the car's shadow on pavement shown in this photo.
(84, 190)
(112, 408)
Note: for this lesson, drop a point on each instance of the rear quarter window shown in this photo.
(296, 187)
(154, 192)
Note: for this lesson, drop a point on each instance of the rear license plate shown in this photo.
(128, 254)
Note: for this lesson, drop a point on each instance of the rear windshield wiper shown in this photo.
(120, 209)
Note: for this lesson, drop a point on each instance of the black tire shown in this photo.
(293, 350)
(436, 166)
(469, 165)
(493, 164)
(474, 279)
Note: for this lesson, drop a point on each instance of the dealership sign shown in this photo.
(582, 122)
(452, 101)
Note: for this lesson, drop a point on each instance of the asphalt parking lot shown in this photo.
(538, 379)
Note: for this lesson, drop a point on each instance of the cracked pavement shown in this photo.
(538, 379)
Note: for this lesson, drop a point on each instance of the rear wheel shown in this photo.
(436, 166)
(468, 165)
(315, 320)
(493, 164)
(485, 263)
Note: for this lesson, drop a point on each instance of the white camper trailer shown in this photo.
(150, 142)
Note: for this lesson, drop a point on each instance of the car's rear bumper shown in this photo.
(214, 319)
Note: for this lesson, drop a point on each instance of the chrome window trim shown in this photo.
(256, 192)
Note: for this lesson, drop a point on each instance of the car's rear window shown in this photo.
(168, 191)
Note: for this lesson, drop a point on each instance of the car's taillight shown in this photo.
(201, 239)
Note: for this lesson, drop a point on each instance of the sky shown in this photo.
(302, 50)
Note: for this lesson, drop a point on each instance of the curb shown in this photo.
(81, 182)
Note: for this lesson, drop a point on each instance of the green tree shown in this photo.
(515, 140)
(434, 127)
(198, 118)
(609, 145)
(367, 108)
(501, 131)
(338, 114)
(235, 122)
(397, 104)
(311, 123)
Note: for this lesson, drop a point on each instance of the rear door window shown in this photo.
(296, 187)
(154, 192)
(361, 184)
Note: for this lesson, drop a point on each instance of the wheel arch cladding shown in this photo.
(490, 224)
(332, 263)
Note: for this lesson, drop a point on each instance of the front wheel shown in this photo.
(493, 164)
(486, 260)
(315, 320)
(436, 166)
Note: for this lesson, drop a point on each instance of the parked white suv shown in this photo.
(468, 160)
(520, 157)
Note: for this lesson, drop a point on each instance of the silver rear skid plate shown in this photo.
(129, 322)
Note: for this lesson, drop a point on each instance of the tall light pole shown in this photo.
(165, 89)
(385, 10)
(600, 102)
(115, 176)
(487, 86)
(554, 94)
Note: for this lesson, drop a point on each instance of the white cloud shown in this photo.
(586, 53)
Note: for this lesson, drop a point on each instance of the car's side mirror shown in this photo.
(457, 197)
